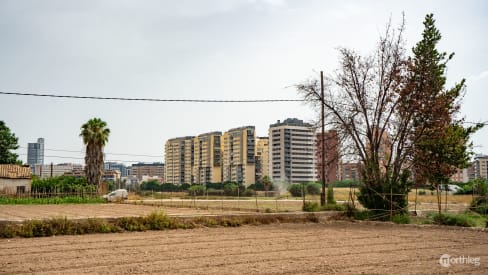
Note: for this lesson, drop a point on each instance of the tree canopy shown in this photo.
(8, 142)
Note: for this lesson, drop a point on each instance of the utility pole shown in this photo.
(51, 169)
(322, 147)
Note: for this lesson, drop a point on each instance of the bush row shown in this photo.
(154, 221)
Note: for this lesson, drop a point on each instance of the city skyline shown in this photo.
(235, 49)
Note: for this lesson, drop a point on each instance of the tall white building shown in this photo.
(292, 151)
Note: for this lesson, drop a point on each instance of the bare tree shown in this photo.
(362, 102)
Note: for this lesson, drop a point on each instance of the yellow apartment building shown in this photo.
(207, 166)
(179, 160)
(262, 158)
(238, 155)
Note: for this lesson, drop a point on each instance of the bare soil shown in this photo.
(325, 248)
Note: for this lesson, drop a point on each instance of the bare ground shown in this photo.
(324, 248)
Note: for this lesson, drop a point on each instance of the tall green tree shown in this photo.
(441, 143)
(95, 135)
(8, 142)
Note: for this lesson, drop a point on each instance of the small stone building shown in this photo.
(14, 179)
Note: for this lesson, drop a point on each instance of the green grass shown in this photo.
(468, 219)
(52, 200)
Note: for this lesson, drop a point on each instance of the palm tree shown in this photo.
(95, 135)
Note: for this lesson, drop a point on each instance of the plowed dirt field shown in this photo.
(324, 248)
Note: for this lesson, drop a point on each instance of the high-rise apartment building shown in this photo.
(292, 151)
(179, 155)
(329, 146)
(35, 153)
(154, 169)
(207, 166)
(262, 158)
(238, 162)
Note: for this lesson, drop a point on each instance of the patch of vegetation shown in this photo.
(333, 207)
(153, 221)
(480, 205)
(311, 207)
(62, 184)
(196, 190)
(51, 200)
(456, 220)
(401, 219)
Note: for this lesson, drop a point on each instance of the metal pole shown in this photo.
(322, 147)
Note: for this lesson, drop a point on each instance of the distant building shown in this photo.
(330, 149)
(350, 171)
(461, 175)
(149, 169)
(179, 158)
(116, 166)
(480, 166)
(108, 175)
(262, 158)
(239, 155)
(55, 170)
(35, 153)
(292, 151)
(111, 175)
(14, 179)
(207, 164)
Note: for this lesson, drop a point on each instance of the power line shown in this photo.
(115, 154)
(155, 99)
(188, 100)
(79, 158)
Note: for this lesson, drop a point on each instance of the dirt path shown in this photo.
(336, 247)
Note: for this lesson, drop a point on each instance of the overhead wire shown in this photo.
(106, 153)
(155, 99)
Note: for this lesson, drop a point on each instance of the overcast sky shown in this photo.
(213, 49)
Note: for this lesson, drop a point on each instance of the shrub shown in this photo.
(159, 221)
(196, 190)
(480, 205)
(249, 193)
(7, 230)
(333, 207)
(152, 185)
(422, 192)
(131, 223)
(230, 189)
(94, 225)
(296, 190)
(401, 219)
(362, 215)
(311, 207)
(313, 188)
(456, 220)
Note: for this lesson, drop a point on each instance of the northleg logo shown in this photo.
(447, 260)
